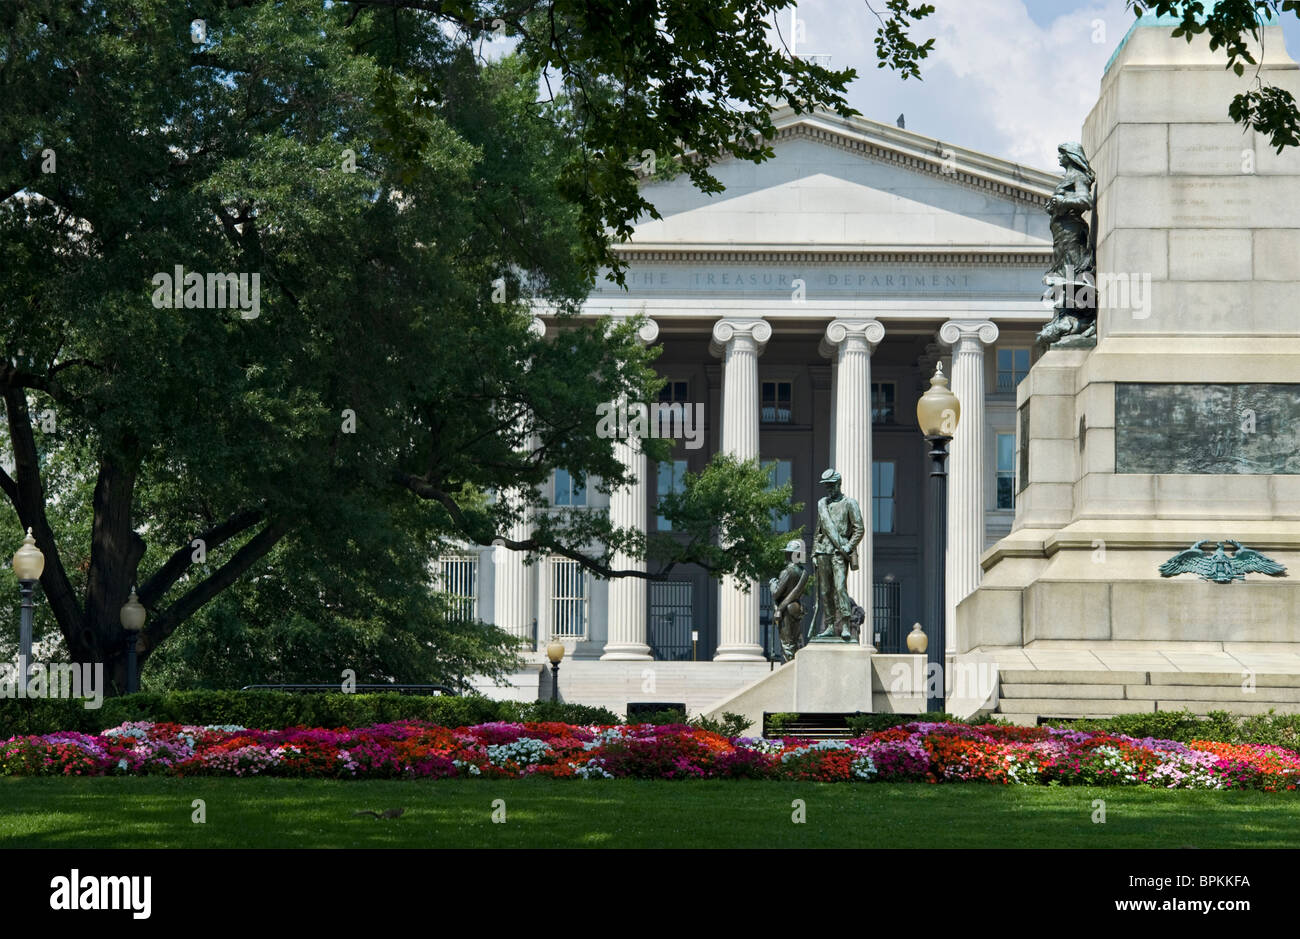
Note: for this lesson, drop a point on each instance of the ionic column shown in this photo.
(849, 343)
(739, 343)
(626, 637)
(966, 470)
(514, 583)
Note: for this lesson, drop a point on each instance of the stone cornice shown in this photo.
(926, 155)
(894, 145)
(766, 254)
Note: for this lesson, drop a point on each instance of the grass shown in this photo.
(290, 813)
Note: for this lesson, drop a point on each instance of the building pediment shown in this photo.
(855, 186)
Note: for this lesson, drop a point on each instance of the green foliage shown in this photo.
(563, 712)
(405, 203)
(305, 620)
(666, 716)
(729, 725)
(269, 710)
(722, 520)
(871, 723)
(894, 47)
(1271, 728)
(778, 721)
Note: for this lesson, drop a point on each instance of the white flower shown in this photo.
(864, 767)
(591, 770)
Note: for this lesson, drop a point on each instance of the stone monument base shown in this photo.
(832, 677)
(1114, 481)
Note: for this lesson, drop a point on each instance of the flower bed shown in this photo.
(917, 752)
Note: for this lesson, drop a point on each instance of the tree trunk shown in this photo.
(115, 552)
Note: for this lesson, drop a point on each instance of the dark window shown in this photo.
(1013, 366)
(1006, 471)
(672, 475)
(882, 497)
(675, 392)
(781, 470)
(569, 489)
(882, 402)
(776, 396)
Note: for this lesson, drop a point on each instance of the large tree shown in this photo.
(406, 205)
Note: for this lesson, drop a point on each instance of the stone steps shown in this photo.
(1029, 695)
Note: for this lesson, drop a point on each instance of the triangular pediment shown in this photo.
(853, 185)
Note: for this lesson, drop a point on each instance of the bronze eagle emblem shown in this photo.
(1220, 566)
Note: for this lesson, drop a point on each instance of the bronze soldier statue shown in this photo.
(787, 599)
(835, 542)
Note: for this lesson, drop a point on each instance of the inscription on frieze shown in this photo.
(1245, 428)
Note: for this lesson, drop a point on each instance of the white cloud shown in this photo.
(1034, 85)
(995, 81)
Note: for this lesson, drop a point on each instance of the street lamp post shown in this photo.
(29, 562)
(555, 652)
(132, 616)
(938, 411)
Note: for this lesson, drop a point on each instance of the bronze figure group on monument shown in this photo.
(839, 531)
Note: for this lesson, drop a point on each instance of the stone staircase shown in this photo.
(1030, 695)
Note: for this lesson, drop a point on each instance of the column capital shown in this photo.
(734, 329)
(648, 332)
(954, 331)
(843, 332)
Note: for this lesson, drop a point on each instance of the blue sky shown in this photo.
(1012, 78)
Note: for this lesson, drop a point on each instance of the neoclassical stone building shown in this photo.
(805, 309)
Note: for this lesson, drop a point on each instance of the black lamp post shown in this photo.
(132, 616)
(29, 562)
(938, 411)
(555, 652)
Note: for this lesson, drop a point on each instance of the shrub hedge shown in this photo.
(1277, 729)
(270, 710)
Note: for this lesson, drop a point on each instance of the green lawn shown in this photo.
(156, 812)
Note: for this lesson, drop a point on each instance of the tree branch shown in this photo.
(153, 589)
(425, 490)
(28, 495)
(254, 550)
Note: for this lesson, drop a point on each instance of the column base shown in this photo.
(626, 652)
(740, 652)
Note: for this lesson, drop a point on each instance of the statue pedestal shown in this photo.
(832, 678)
